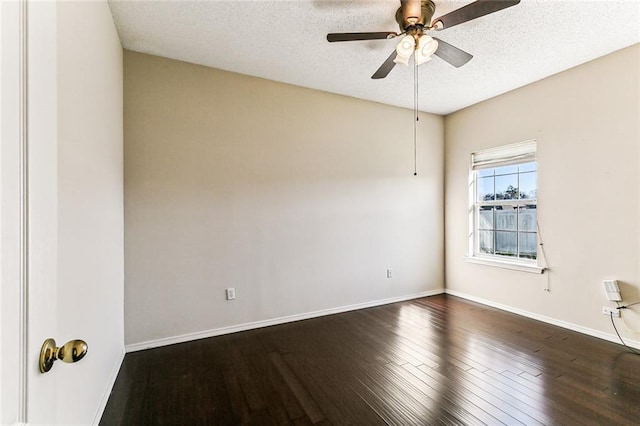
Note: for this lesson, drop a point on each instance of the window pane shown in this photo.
(506, 214)
(506, 218)
(527, 219)
(485, 189)
(486, 172)
(485, 218)
(527, 167)
(528, 245)
(506, 243)
(528, 185)
(506, 170)
(485, 240)
(507, 187)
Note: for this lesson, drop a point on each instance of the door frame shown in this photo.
(28, 210)
(14, 214)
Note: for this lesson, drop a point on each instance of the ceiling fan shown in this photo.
(414, 16)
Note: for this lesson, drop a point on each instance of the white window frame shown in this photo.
(518, 153)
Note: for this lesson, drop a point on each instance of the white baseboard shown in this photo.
(107, 391)
(570, 326)
(149, 344)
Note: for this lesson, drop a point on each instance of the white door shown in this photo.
(29, 225)
(41, 203)
(63, 266)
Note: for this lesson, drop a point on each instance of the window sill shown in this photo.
(516, 266)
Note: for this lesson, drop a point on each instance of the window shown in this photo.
(503, 207)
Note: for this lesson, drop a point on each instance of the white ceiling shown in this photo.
(285, 41)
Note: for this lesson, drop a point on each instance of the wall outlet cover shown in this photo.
(230, 293)
(606, 310)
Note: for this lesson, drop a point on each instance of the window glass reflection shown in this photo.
(506, 243)
(485, 189)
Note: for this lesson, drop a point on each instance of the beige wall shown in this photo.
(586, 123)
(299, 199)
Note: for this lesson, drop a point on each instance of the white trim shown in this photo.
(506, 264)
(564, 324)
(24, 214)
(13, 114)
(149, 344)
(107, 390)
(512, 203)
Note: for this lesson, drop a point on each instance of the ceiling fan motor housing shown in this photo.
(414, 12)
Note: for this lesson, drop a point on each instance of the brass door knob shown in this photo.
(72, 351)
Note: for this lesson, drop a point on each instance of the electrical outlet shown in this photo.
(231, 293)
(606, 310)
(389, 273)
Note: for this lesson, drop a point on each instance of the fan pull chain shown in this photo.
(415, 122)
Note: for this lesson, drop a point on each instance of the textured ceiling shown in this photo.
(286, 41)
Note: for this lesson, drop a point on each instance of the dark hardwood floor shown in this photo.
(436, 360)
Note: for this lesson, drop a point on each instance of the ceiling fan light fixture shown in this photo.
(405, 49)
(402, 60)
(426, 47)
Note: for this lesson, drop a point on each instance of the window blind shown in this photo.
(521, 152)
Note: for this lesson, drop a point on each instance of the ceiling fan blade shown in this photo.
(471, 11)
(332, 37)
(449, 53)
(386, 67)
